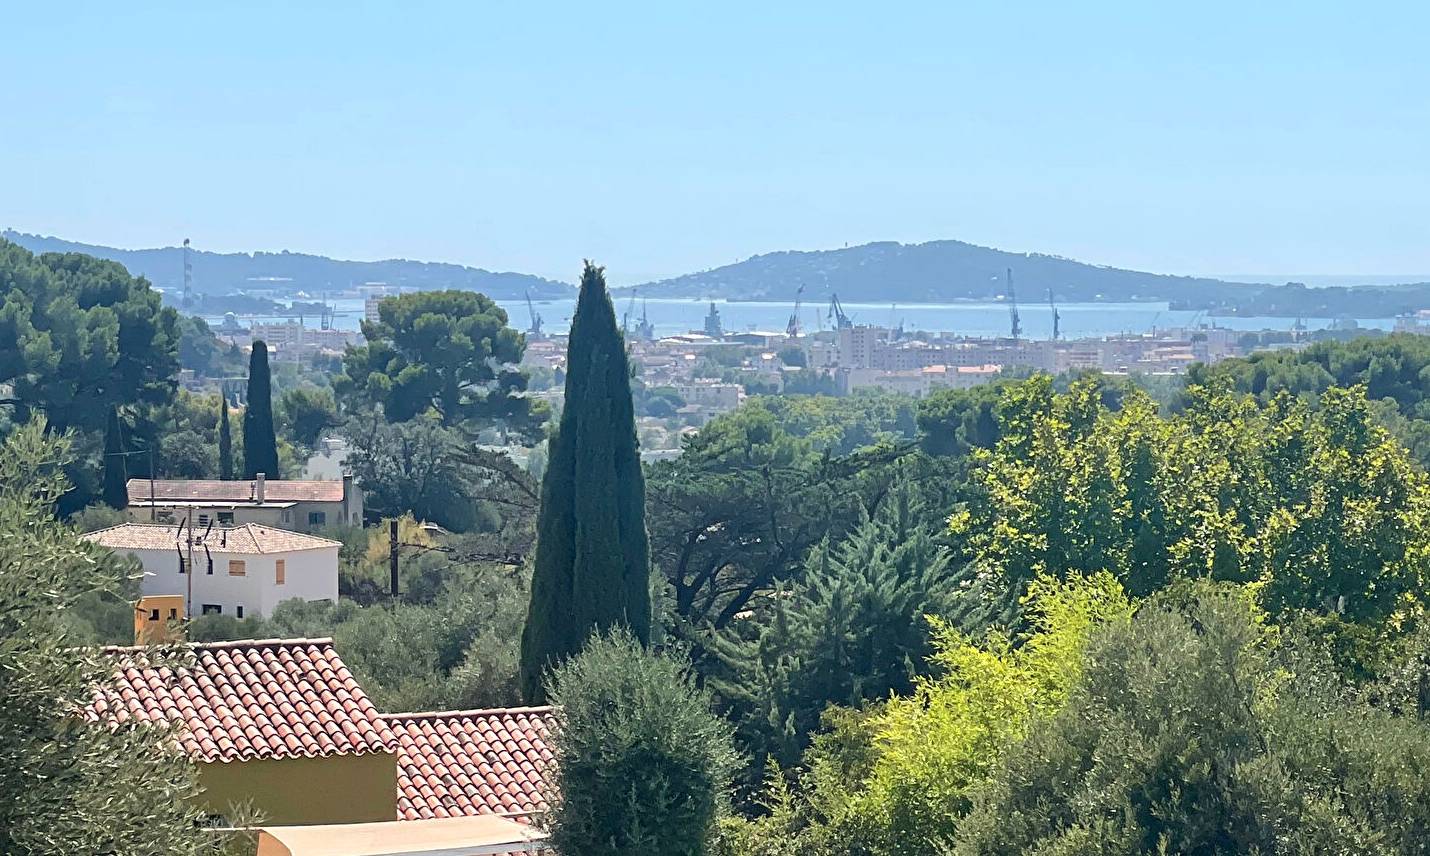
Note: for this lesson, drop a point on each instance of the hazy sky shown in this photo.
(1247, 137)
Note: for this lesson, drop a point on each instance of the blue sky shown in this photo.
(662, 138)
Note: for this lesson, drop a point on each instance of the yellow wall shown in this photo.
(152, 631)
(291, 791)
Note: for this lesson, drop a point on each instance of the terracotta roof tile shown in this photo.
(208, 490)
(234, 701)
(471, 762)
(251, 538)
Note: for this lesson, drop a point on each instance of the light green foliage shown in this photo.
(592, 565)
(641, 763)
(1225, 489)
(448, 351)
(70, 786)
(937, 745)
(1185, 734)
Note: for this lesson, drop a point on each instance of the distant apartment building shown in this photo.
(292, 340)
(297, 505)
(370, 306)
(717, 397)
(918, 383)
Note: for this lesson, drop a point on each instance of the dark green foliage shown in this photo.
(432, 472)
(260, 446)
(957, 421)
(70, 786)
(854, 630)
(1186, 735)
(225, 440)
(116, 469)
(307, 412)
(793, 356)
(448, 351)
(592, 568)
(79, 336)
(641, 763)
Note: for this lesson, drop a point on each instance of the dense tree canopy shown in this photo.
(80, 336)
(448, 351)
(69, 786)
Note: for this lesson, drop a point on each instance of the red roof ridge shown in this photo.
(480, 711)
(231, 643)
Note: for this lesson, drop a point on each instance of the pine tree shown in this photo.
(260, 447)
(225, 440)
(116, 478)
(592, 569)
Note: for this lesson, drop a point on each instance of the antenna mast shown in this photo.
(1013, 307)
(188, 275)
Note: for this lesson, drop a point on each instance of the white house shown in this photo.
(243, 571)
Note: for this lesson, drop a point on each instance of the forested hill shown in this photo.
(222, 273)
(934, 272)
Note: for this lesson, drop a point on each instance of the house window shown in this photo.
(203, 520)
(225, 517)
(280, 572)
(287, 516)
(183, 566)
(212, 609)
(240, 612)
(153, 615)
(173, 615)
(317, 518)
(237, 568)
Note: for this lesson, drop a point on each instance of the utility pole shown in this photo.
(392, 554)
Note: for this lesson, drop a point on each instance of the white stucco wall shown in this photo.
(309, 575)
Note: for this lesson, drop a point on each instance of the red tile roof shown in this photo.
(223, 492)
(471, 762)
(235, 701)
(249, 538)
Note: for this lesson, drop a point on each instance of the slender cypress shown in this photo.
(592, 568)
(260, 447)
(225, 440)
(116, 469)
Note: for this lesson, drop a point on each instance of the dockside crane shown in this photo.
(645, 330)
(792, 328)
(836, 314)
(626, 318)
(1054, 306)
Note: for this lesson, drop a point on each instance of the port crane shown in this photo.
(792, 328)
(1056, 317)
(836, 314)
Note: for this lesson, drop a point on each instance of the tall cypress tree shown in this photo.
(225, 440)
(592, 567)
(116, 469)
(260, 447)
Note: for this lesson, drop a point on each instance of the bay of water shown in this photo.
(1078, 320)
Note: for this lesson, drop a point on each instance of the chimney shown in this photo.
(258, 489)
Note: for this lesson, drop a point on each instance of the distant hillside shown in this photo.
(223, 273)
(936, 272)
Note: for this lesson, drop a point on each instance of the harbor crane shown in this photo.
(792, 328)
(1054, 306)
(836, 314)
